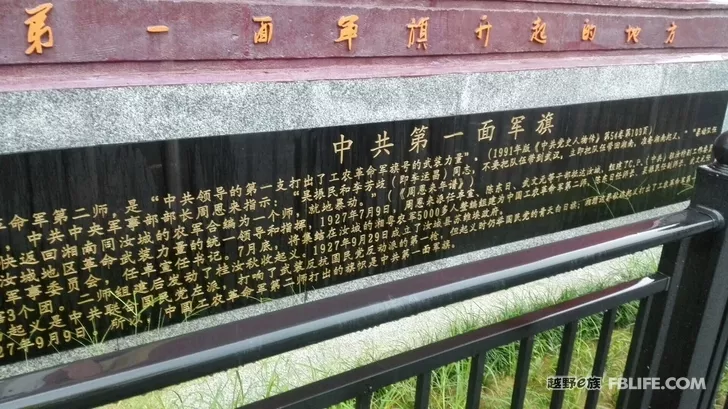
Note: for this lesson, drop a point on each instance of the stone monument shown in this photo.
(163, 161)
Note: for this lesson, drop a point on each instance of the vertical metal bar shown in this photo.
(475, 381)
(672, 263)
(717, 365)
(635, 347)
(695, 330)
(364, 400)
(694, 326)
(562, 368)
(520, 383)
(600, 360)
(422, 393)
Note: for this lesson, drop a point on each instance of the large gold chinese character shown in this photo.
(37, 29)
(452, 135)
(18, 222)
(671, 33)
(60, 216)
(342, 146)
(516, 126)
(265, 32)
(538, 31)
(101, 210)
(486, 132)
(545, 124)
(419, 139)
(382, 144)
(484, 26)
(421, 26)
(348, 29)
(633, 34)
(589, 31)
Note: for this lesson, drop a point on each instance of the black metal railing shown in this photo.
(681, 328)
(359, 383)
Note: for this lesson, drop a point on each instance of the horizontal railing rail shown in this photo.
(420, 361)
(138, 370)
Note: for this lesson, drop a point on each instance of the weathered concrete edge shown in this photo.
(229, 316)
(57, 119)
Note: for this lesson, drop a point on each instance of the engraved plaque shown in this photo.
(100, 242)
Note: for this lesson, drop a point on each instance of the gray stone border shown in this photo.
(56, 119)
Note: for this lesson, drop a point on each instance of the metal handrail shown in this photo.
(373, 376)
(159, 364)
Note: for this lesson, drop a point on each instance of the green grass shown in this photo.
(449, 383)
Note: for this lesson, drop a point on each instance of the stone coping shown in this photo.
(72, 118)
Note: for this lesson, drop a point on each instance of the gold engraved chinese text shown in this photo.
(37, 29)
(486, 131)
(588, 31)
(516, 126)
(265, 31)
(545, 124)
(671, 33)
(421, 38)
(538, 31)
(419, 139)
(633, 34)
(348, 29)
(342, 146)
(484, 27)
(382, 144)
(74, 274)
